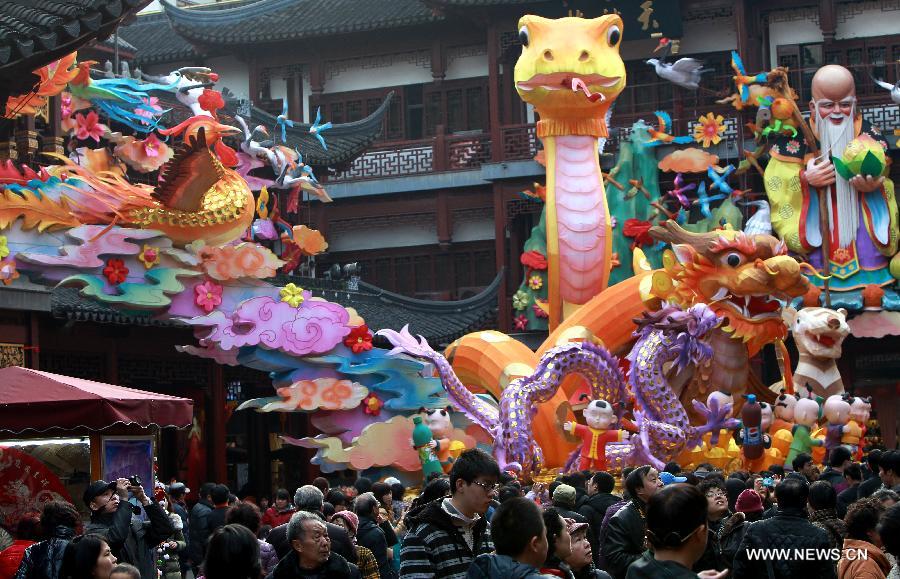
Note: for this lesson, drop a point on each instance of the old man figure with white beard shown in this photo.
(862, 211)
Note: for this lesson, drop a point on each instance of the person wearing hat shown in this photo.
(112, 516)
(581, 560)
(564, 499)
(365, 559)
(748, 509)
(177, 492)
(668, 478)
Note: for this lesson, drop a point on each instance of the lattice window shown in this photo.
(145, 372)
(76, 364)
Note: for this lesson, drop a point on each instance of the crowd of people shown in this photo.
(479, 523)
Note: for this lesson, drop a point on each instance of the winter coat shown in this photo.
(199, 531)
(501, 567)
(712, 555)
(827, 520)
(593, 510)
(340, 540)
(624, 540)
(789, 529)
(371, 536)
(11, 557)
(590, 572)
(131, 539)
(44, 560)
(604, 529)
(365, 561)
(646, 567)
(846, 498)
(171, 566)
(267, 557)
(875, 566)
(336, 567)
(435, 546)
(273, 517)
(731, 534)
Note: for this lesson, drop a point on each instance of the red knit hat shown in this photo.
(748, 501)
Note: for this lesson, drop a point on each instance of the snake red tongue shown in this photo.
(579, 85)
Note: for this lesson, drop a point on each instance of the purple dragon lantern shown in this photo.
(669, 335)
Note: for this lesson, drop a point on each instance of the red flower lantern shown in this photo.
(359, 339)
(115, 271)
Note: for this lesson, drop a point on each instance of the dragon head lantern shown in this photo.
(741, 277)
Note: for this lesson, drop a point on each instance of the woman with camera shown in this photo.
(131, 539)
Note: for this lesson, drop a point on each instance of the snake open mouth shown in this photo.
(563, 81)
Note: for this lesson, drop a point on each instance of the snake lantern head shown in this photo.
(556, 52)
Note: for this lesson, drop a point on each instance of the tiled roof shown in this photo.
(279, 20)
(346, 141)
(439, 322)
(155, 40)
(34, 33)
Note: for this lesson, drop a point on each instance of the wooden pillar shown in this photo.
(438, 61)
(444, 221)
(215, 427)
(317, 75)
(295, 96)
(112, 361)
(26, 137)
(53, 141)
(253, 89)
(439, 159)
(828, 19)
(34, 341)
(504, 317)
(493, 48)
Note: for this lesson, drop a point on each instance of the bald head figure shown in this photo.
(833, 82)
(833, 94)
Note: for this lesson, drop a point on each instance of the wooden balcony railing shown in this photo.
(519, 142)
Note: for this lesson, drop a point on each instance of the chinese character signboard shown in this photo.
(642, 18)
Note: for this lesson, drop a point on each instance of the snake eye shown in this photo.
(613, 35)
(523, 36)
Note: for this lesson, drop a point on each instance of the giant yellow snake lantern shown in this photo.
(561, 60)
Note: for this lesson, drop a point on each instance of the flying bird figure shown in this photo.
(894, 88)
(661, 134)
(284, 122)
(680, 189)
(720, 181)
(316, 129)
(685, 72)
(742, 80)
(704, 199)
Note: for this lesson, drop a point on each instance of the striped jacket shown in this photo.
(435, 548)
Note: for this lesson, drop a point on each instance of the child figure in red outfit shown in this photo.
(600, 418)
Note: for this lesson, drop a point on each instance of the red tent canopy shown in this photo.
(41, 401)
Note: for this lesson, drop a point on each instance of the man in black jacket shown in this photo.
(623, 543)
(310, 553)
(200, 531)
(872, 483)
(219, 494)
(853, 476)
(311, 500)
(769, 547)
(130, 539)
(370, 535)
(599, 499)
